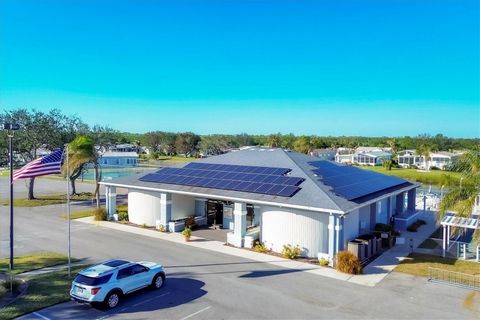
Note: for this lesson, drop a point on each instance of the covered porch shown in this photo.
(218, 219)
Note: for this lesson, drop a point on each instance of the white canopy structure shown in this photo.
(453, 221)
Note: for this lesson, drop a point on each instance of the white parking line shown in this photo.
(148, 300)
(40, 316)
(195, 313)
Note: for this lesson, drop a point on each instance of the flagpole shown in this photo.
(68, 212)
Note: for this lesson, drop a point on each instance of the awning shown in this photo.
(451, 220)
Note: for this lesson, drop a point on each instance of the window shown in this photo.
(138, 269)
(250, 215)
(91, 281)
(126, 272)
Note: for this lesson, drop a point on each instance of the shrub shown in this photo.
(190, 222)
(144, 225)
(123, 216)
(260, 247)
(323, 262)
(383, 227)
(347, 262)
(5, 286)
(161, 228)
(291, 252)
(414, 226)
(187, 232)
(100, 214)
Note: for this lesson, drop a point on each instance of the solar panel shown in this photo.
(350, 182)
(169, 176)
(237, 168)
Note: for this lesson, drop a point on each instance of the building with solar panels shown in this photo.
(273, 196)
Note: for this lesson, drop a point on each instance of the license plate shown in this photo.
(79, 289)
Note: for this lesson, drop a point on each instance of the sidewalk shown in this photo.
(375, 272)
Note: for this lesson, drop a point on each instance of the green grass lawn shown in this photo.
(47, 200)
(34, 261)
(434, 177)
(89, 212)
(177, 159)
(79, 214)
(417, 264)
(43, 291)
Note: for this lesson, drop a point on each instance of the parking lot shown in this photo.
(203, 284)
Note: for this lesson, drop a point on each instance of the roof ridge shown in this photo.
(309, 176)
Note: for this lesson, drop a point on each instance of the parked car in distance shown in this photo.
(108, 282)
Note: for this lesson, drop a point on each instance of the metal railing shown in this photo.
(454, 278)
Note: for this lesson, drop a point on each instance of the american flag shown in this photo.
(48, 164)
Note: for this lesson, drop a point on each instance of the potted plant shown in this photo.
(187, 233)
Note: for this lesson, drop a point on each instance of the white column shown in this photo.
(478, 253)
(444, 240)
(111, 197)
(448, 236)
(464, 251)
(239, 224)
(165, 209)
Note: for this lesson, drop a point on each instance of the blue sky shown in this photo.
(308, 67)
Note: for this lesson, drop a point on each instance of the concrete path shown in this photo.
(375, 272)
(378, 269)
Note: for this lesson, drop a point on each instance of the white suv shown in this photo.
(109, 281)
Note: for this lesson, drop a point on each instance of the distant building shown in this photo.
(368, 156)
(126, 147)
(344, 155)
(372, 158)
(118, 159)
(440, 159)
(324, 154)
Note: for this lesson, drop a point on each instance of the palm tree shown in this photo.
(461, 198)
(81, 151)
(425, 150)
(274, 140)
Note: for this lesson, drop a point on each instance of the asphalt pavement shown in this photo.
(204, 284)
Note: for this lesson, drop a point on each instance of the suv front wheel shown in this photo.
(112, 299)
(158, 281)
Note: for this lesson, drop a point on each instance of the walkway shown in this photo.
(209, 233)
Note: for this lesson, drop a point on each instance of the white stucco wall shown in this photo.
(351, 225)
(143, 207)
(280, 226)
(182, 206)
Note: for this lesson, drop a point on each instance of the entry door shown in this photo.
(219, 213)
(211, 212)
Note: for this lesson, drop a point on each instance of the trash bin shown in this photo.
(357, 247)
(378, 240)
(367, 246)
(372, 243)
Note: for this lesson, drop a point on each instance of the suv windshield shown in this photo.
(90, 281)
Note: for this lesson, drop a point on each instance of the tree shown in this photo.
(82, 151)
(461, 198)
(40, 130)
(152, 140)
(186, 143)
(167, 143)
(274, 140)
(424, 151)
(213, 145)
(302, 144)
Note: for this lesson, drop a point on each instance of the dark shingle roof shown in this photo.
(313, 193)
